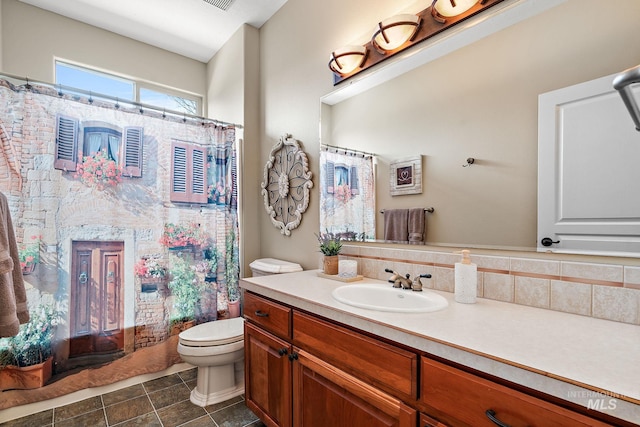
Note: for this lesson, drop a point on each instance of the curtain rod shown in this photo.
(59, 87)
(346, 151)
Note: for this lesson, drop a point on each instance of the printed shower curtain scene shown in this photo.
(127, 227)
(347, 195)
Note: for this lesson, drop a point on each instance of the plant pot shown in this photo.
(29, 377)
(330, 265)
(234, 309)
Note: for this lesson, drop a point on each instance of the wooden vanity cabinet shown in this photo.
(286, 385)
(306, 371)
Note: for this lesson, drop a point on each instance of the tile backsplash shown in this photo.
(601, 290)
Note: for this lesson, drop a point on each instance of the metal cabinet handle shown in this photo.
(260, 313)
(293, 356)
(283, 351)
(491, 414)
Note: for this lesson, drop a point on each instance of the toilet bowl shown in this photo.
(217, 350)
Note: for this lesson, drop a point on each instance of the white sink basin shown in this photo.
(388, 298)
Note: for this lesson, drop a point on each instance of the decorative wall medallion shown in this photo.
(286, 184)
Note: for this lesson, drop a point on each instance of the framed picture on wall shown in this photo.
(405, 176)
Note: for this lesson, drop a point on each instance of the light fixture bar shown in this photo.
(428, 27)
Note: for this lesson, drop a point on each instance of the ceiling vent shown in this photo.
(220, 4)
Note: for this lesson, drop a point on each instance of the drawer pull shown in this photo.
(260, 313)
(282, 351)
(491, 414)
(293, 356)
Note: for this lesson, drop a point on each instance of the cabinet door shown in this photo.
(326, 396)
(267, 376)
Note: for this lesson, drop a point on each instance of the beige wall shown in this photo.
(32, 38)
(233, 96)
(480, 101)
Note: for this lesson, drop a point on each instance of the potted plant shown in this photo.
(330, 246)
(30, 255)
(149, 269)
(185, 288)
(26, 359)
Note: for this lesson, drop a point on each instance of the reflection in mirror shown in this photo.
(347, 193)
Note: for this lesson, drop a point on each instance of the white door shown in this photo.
(588, 171)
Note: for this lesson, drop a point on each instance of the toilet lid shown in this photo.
(218, 332)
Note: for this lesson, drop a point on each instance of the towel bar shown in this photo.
(430, 210)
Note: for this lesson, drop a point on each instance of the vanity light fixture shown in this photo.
(398, 33)
(394, 32)
(345, 60)
(443, 9)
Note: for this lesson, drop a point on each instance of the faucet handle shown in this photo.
(417, 284)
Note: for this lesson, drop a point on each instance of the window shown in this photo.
(98, 139)
(123, 147)
(340, 175)
(168, 101)
(95, 81)
(124, 89)
(188, 173)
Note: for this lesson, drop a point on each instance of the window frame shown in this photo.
(138, 84)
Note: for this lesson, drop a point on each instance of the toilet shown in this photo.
(217, 350)
(269, 266)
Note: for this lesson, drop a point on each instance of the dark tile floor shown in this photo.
(163, 402)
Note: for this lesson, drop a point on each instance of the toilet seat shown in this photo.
(216, 333)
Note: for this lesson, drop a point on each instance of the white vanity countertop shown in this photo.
(588, 361)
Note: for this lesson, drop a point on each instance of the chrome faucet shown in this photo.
(405, 282)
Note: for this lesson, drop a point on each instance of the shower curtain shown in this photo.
(127, 226)
(347, 195)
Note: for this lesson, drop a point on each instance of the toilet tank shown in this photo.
(268, 266)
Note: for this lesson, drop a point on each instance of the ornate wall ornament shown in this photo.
(286, 184)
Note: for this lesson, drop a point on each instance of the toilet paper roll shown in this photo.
(347, 268)
(466, 283)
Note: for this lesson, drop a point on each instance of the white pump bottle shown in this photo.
(466, 279)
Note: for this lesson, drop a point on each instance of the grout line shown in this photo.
(155, 411)
(104, 411)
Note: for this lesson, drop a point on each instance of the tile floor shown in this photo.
(162, 402)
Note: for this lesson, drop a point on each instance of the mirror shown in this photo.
(447, 114)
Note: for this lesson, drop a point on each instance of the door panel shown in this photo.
(267, 376)
(587, 154)
(96, 298)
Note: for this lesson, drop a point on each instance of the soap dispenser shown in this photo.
(466, 279)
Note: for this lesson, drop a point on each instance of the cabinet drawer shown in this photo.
(460, 398)
(388, 367)
(274, 317)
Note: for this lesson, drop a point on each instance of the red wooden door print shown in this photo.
(97, 303)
